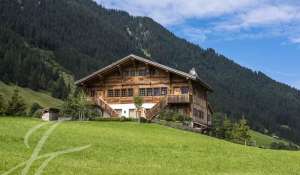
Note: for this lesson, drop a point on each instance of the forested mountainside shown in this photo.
(57, 37)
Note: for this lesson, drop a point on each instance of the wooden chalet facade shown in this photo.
(112, 88)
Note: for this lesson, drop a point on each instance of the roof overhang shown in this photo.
(147, 61)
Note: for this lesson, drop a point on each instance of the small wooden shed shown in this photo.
(50, 114)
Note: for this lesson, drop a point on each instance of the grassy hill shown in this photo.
(29, 96)
(132, 148)
(263, 140)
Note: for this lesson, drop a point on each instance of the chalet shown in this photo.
(113, 87)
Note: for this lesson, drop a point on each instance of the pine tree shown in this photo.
(217, 126)
(2, 105)
(34, 107)
(227, 127)
(244, 130)
(77, 107)
(16, 105)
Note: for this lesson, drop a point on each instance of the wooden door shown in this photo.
(132, 113)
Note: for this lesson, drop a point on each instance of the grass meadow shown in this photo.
(30, 96)
(132, 148)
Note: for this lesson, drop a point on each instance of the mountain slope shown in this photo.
(30, 96)
(84, 37)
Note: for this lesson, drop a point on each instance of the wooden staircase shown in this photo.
(105, 107)
(157, 108)
(164, 101)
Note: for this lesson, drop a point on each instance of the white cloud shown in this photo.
(228, 19)
(295, 40)
(170, 12)
(262, 16)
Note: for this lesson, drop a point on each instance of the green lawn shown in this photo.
(132, 148)
(29, 96)
(264, 140)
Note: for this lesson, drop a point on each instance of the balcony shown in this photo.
(176, 99)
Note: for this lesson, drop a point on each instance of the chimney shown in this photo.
(193, 72)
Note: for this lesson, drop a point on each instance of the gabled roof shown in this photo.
(152, 63)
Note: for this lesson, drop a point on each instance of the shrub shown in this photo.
(144, 120)
(34, 107)
(16, 105)
(38, 113)
(282, 146)
(115, 119)
(173, 116)
(178, 117)
(2, 105)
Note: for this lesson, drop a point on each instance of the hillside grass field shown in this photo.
(263, 140)
(132, 148)
(29, 96)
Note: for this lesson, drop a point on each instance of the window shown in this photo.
(132, 73)
(142, 92)
(164, 91)
(156, 91)
(201, 115)
(130, 92)
(149, 91)
(142, 72)
(110, 93)
(154, 72)
(184, 90)
(124, 92)
(198, 114)
(126, 73)
(117, 92)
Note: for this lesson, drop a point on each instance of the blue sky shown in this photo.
(262, 35)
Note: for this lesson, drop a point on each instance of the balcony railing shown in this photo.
(175, 99)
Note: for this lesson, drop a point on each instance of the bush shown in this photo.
(38, 113)
(282, 146)
(144, 120)
(34, 107)
(173, 116)
(114, 119)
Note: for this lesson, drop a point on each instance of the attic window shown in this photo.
(125, 73)
(154, 72)
(141, 72)
(132, 73)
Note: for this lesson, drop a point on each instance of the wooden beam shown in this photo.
(134, 63)
(120, 70)
(100, 76)
(121, 74)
